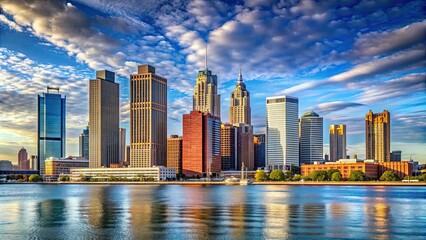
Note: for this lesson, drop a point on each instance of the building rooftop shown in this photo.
(310, 114)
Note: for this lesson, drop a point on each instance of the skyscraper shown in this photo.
(23, 162)
(282, 141)
(50, 126)
(201, 144)
(377, 136)
(228, 146)
(311, 138)
(83, 143)
(245, 146)
(337, 142)
(240, 110)
(259, 151)
(103, 120)
(174, 153)
(148, 118)
(206, 98)
(122, 145)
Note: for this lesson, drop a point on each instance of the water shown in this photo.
(211, 212)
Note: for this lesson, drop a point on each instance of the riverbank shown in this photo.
(343, 183)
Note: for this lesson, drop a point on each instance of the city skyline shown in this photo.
(369, 66)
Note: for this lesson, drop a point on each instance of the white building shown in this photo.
(311, 138)
(282, 138)
(159, 173)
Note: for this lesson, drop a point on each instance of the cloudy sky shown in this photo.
(340, 58)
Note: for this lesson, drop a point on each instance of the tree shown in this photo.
(388, 176)
(34, 178)
(356, 175)
(318, 175)
(260, 176)
(297, 177)
(295, 169)
(276, 175)
(287, 176)
(330, 173)
(337, 176)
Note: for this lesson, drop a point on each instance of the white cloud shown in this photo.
(9, 23)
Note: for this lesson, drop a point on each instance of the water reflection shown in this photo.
(211, 212)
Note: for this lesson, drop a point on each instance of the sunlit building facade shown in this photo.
(104, 118)
(206, 98)
(337, 142)
(377, 136)
(50, 126)
(148, 118)
(282, 140)
(174, 153)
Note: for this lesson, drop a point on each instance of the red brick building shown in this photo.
(401, 169)
(200, 144)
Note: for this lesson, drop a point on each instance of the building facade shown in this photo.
(337, 142)
(377, 136)
(33, 162)
(83, 143)
(282, 141)
(23, 161)
(55, 166)
(401, 169)
(259, 151)
(240, 110)
(206, 98)
(104, 117)
(395, 156)
(369, 169)
(174, 153)
(6, 165)
(148, 118)
(245, 147)
(158, 173)
(311, 138)
(201, 144)
(50, 126)
(228, 146)
(122, 145)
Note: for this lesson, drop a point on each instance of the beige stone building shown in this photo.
(148, 118)
(206, 98)
(377, 136)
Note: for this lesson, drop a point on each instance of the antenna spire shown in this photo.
(206, 57)
(240, 76)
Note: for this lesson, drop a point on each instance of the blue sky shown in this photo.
(340, 58)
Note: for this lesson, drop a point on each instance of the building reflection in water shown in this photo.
(51, 212)
(377, 217)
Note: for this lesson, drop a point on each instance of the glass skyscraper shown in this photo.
(50, 126)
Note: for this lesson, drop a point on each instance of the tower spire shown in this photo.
(240, 76)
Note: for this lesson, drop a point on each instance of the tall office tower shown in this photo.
(259, 151)
(395, 156)
(104, 115)
(174, 153)
(206, 98)
(240, 110)
(148, 118)
(50, 126)
(245, 146)
(337, 142)
(201, 144)
(33, 162)
(377, 136)
(311, 138)
(122, 145)
(228, 146)
(23, 162)
(282, 140)
(83, 143)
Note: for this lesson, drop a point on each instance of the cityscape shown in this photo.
(207, 119)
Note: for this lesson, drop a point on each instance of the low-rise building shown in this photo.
(401, 169)
(55, 166)
(159, 173)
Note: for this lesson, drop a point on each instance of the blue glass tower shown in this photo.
(50, 126)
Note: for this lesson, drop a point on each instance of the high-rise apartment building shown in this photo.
(259, 151)
(201, 144)
(50, 126)
(377, 136)
(240, 110)
(23, 162)
(104, 118)
(122, 145)
(83, 143)
(228, 146)
(148, 118)
(337, 142)
(282, 141)
(174, 153)
(311, 138)
(206, 98)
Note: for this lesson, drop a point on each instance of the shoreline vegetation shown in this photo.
(311, 183)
